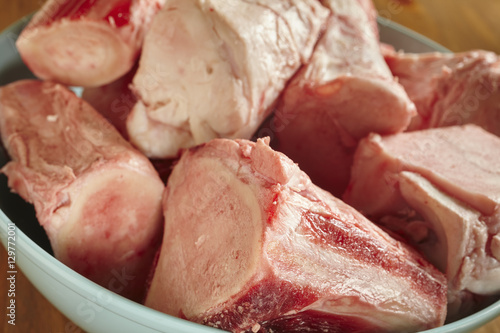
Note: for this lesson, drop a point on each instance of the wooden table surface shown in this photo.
(459, 25)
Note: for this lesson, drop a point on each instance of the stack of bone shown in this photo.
(376, 210)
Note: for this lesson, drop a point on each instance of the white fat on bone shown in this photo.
(215, 69)
(462, 236)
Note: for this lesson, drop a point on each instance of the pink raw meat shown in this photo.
(98, 199)
(451, 89)
(345, 92)
(215, 69)
(88, 42)
(251, 244)
(114, 100)
(439, 188)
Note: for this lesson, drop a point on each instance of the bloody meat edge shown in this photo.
(251, 244)
(98, 199)
(86, 43)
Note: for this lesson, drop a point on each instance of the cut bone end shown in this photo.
(202, 243)
(249, 239)
(76, 52)
(113, 228)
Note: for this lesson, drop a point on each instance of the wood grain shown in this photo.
(11, 11)
(34, 314)
(459, 25)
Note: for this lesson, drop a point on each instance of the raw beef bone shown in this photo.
(86, 43)
(251, 244)
(344, 93)
(114, 100)
(451, 89)
(98, 199)
(441, 189)
(215, 68)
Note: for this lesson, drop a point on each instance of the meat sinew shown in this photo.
(345, 92)
(451, 89)
(86, 43)
(215, 69)
(251, 244)
(98, 199)
(440, 188)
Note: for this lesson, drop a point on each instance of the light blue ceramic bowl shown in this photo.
(92, 307)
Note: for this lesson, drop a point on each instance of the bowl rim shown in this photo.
(85, 288)
(384, 22)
